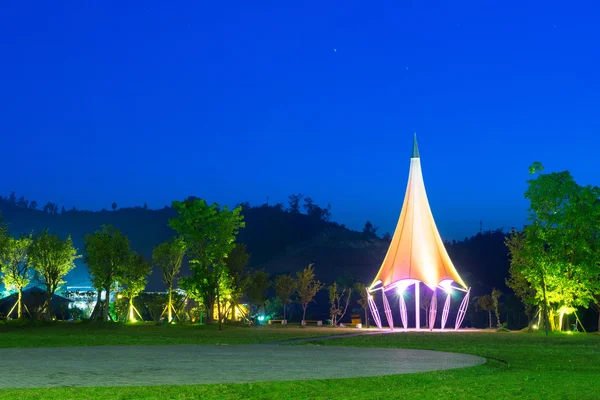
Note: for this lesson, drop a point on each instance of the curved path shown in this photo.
(204, 364)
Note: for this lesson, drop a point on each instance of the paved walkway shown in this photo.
(196, 364)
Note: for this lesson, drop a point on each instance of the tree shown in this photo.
(107, 252)
(387, 237)
(495, 297)
(258, 285)
(561, 245)
(134, 276)
(285, 287)
(236, 263)
(369, 230)
(486, 303)
(294, 202)
(33, 204)
(515, 242)
(307, 288)
(22, 202)
(114, 206)
(363, 301)
(168, 257)
(15, 266)
(337, 308)
(52, 258)
(209, 232)
(12, 198)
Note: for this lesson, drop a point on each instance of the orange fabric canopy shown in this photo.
(417, 251)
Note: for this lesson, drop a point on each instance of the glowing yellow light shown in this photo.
(534, 326)
(119, 296)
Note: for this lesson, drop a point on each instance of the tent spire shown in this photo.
(415, 152)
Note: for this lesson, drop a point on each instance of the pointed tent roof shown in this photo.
(416, 251)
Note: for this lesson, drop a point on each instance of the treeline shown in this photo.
(206, 235)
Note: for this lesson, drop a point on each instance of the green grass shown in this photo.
(523, 366)
(65, 334)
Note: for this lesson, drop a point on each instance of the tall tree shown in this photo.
(337, 305)
(52, 258)
(107, 252)
(486, 303)
(15, 265)
(519, 261)
(369, 230)
(258, 285)
(495, 298)
(168, 257)
(285, 287)
(134, 277)
(561, 243)
(236, 264)
(209, 232)
(307, 288)
(363, 301)
(294, 202)
(114, 206)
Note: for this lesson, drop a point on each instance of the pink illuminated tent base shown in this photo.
(401, 286)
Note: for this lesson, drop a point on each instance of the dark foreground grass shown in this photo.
(523, 366)
(65, 334)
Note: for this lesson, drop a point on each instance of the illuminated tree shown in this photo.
(209, 232)
(133, 276)
(307, 288)
(363, 301)
(258, 285)
(168, 257)
(561, 246)
(15, 265)
(52, 258)
(236, 263)
(107, 252)
(337, 305)
(285, 287)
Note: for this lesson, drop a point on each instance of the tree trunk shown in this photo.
(170, 305)
(20, 304)
(598, 320)
(284, 304)
(304, 314)
(106, 305)
(219, 307)
(130, 316)
(98, 307)
(490, 315)
(546, 317)
(367, 317)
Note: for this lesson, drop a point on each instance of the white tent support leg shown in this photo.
(446, 310)
(403, 314)
(462, 310)
(432, 310)
(388, 311)
(374, 311)
(417, 305)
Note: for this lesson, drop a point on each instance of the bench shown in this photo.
(311, 321)
(278, 321)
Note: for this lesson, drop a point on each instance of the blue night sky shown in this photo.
(236, 101)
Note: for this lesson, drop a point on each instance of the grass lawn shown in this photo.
(520, 365)
(61, 334)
